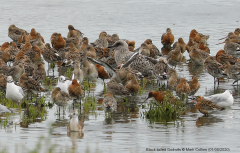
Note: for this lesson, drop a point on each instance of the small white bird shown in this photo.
(63, 83)
(4, 109)
(223, 99)
(13, 92)
(75, 124)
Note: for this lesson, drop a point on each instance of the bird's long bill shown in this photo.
(220, 43)
(192, 101)
(223, 38)
(146, 99)
(111, 46)
(109, 39)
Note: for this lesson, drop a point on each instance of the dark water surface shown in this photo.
(133, 20)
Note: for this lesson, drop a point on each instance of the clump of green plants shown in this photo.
(8, 102)
(68, 72)
(33, 112)
(170, 110)
(52, 65)
(89, 104)
(4, 122)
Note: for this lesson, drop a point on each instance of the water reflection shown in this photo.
(195, 69)
(207, 120)
(74, 136)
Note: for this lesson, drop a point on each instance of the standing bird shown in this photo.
(74, 33)
(167, 38)
(109, 102)
(182, 44)
(50, 54)
(194, 85)
(14, 32)
(132, 85)
(77, 73)
(101, 41)
(116, 88)
(16, 71)
(63, 84)
(214, 68)
(174, 79)
(75, 124)
(206, 106)
(90, 72)
(13, 92)
(60, 98)
(224, 99)
(58, 42)
(139, 62)
(30, 84)
(76, 90)
(159, 96)
(183, 88)
(34, 34)
(222, 57)
(39, 73)
(38, 42)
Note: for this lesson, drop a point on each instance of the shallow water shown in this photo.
(135, 20)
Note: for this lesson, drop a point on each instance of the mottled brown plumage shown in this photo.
(206, 106)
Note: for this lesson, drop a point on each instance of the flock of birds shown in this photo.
(109, 57)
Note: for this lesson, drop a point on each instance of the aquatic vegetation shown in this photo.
(68, 72)
(89, 104)
(32, 113)
(52, 65)
(164, 112)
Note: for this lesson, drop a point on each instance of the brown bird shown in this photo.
(4, 46)
(101, 41)
(195, 36)
(14, 32)
(167, 38)
(75, 89)
(144, 49)
(214, 68)
(75, 124)
(222, 57)
(74, 33)
(183, 88)
(159, 96)
(206, 106)
(203, 47)
(24, 38)
(131, 45)
(102, 72)
(58, 42)
(33, 35)
(175, 56)
(174, 79)
(77, 73)
(132, 84)
(60, 98)
(154, 51)
(38, 42)
(16, 71)
(109, 102)
(50, 54)
(194, 85)
(182, 44)
(39, 73)
(30, 84)
(116, 88)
